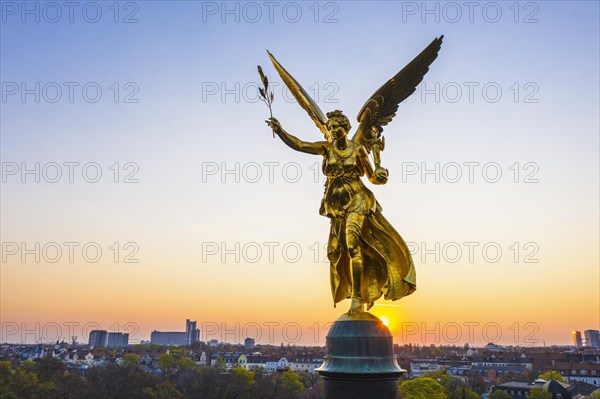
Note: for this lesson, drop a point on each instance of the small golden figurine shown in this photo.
(368, 257)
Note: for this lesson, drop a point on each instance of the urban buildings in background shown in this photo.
(98, 339)
(592, 338)
(168, 338)
(192, 332)
(249, 343)
(558, 390)
(191, 335)
(104, 339)
(577, 342)
(117, 339)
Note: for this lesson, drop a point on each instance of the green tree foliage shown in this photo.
(163, 391)
(511, 376)
(130, 359)
(265, 383)
(199, 347)
(440, 376)
(166, 363)
(176, 353)
(6, 381)
(46, 379)
(57, 381)
(240, 385)
(49, 369)
(27, 385)
(220, 364)
(50, 379)
(537, 393)
(454, 387)
(551, 375)
(289, 385)
(185, 363)
(475, 382)
(422, 388)
(70, 386)
(464, 393)
(118, 382)
(313, 385)
(28, 365)
(201, 383)
(499, 394)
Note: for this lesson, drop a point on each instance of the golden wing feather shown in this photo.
(302, 97)
(381, 107)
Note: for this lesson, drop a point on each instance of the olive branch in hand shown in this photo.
(266, 96)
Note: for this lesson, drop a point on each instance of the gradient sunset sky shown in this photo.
(515, 91)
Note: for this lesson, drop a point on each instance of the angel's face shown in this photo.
(336, 129)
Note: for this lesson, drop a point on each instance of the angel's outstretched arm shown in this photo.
(317, 148)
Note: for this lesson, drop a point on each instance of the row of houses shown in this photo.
(83, 358)
(63, 353)
(558, 390)
(306, 362)
(492, 366)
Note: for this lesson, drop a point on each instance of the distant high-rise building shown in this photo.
(249, 343)
(118, 339)
(98, 339)
(192, 333)
(168, 338)
(577, 339)
(592, 338)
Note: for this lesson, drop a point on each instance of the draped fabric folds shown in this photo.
(388, 266)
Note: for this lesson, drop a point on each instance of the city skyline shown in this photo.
(275, 333)
(141, 186)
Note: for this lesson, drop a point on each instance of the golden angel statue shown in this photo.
(368, 258)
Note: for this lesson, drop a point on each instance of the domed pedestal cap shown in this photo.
(360, 359)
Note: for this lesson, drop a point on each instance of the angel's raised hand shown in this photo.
(274, 124)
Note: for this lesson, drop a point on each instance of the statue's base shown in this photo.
(360, 361)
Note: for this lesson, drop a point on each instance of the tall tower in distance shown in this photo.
(98, 339)
(592, 338)
(192, 333)
(577, 339)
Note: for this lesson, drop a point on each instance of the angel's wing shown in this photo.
(381, 108)
(302, 97)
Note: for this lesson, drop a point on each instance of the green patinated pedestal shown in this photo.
(360, 361)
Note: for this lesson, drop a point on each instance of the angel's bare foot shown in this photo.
(355, 307)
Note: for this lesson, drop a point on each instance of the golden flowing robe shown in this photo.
(388, 268)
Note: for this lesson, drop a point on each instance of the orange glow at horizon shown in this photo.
(429, 316)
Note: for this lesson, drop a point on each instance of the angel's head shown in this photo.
(337, 124)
